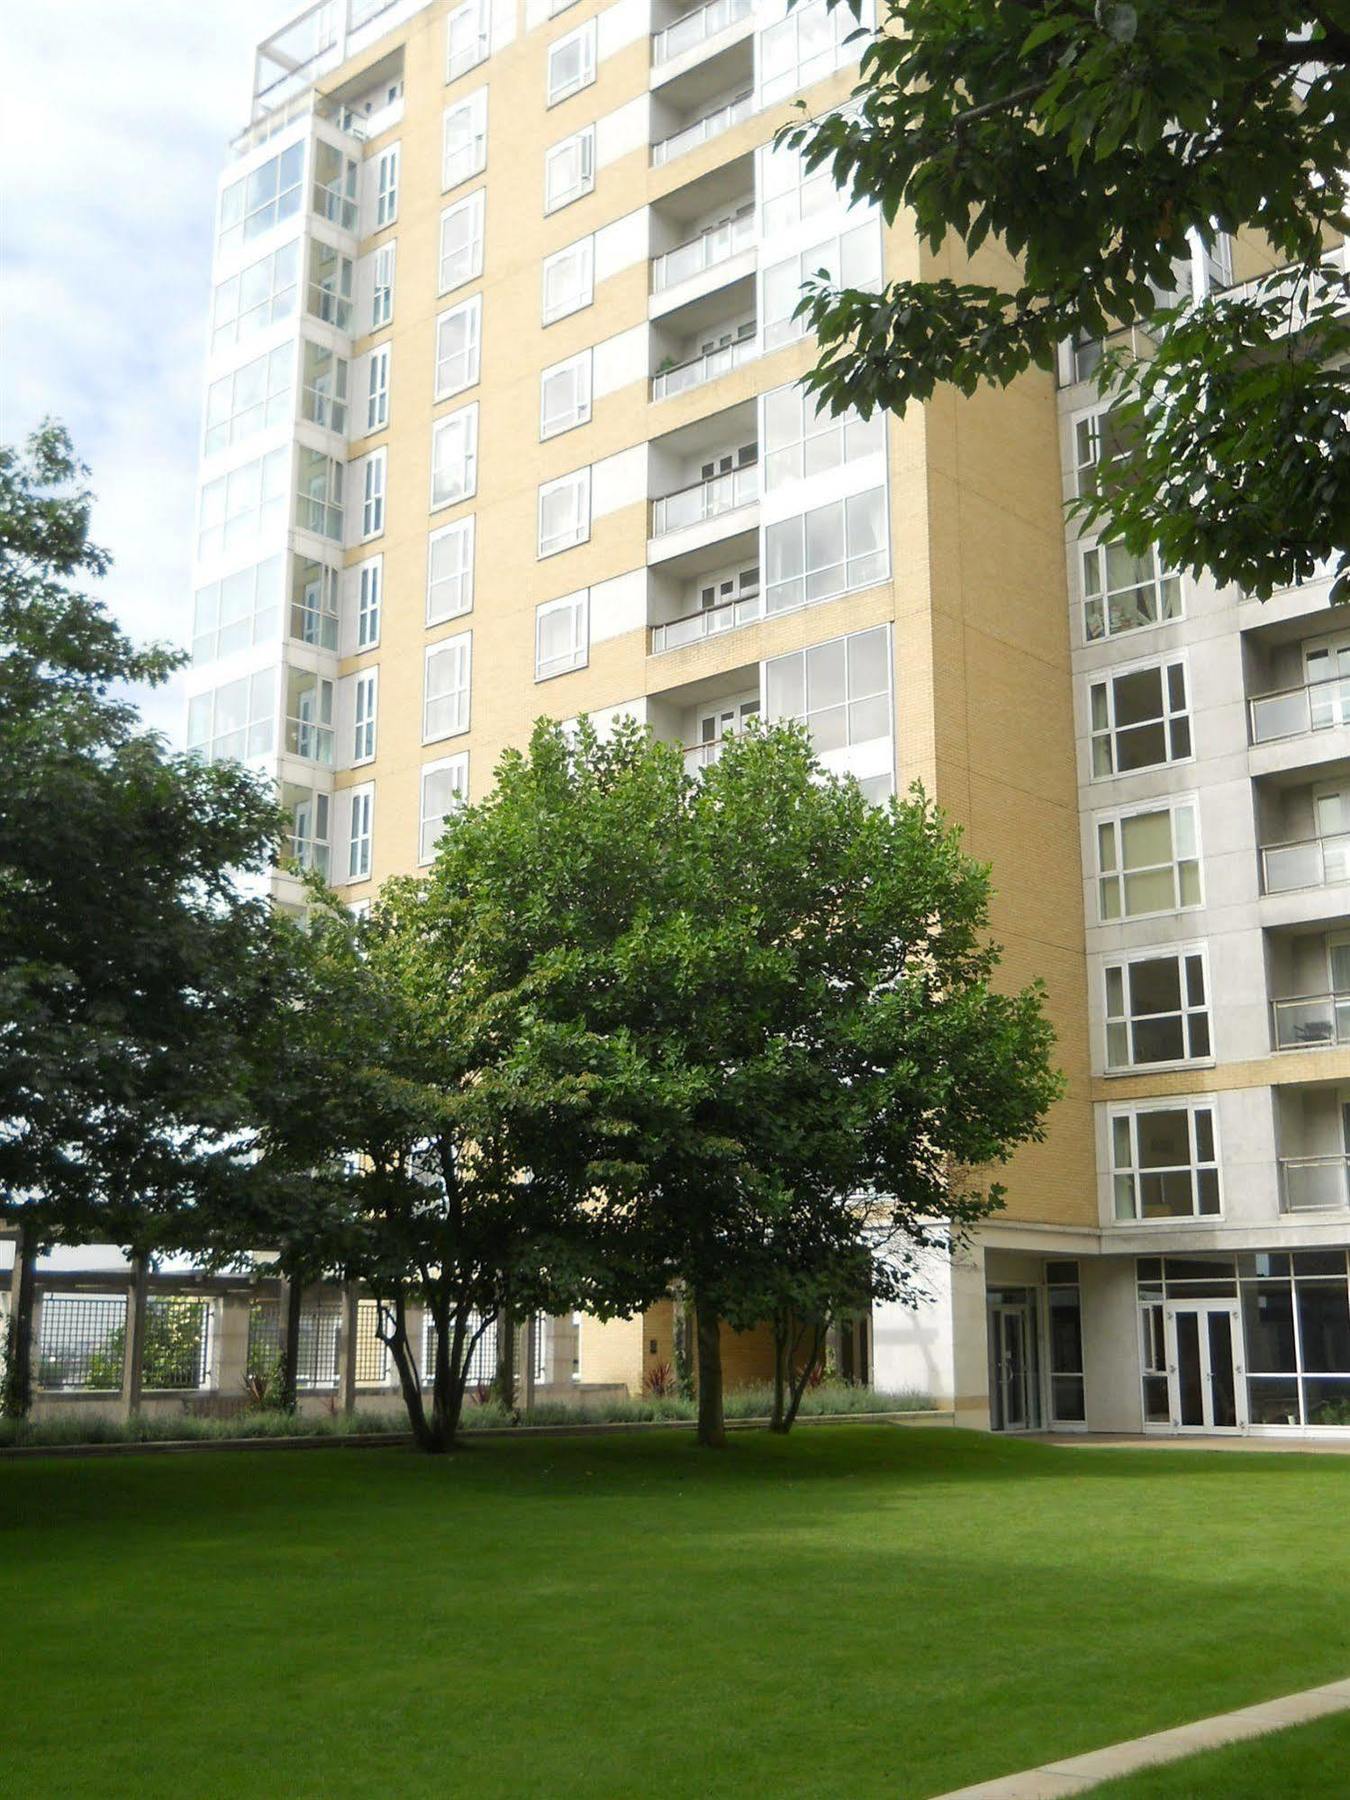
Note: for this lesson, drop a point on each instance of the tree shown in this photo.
(1102, 143)
(130, 964)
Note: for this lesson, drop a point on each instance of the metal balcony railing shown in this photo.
(709, 621)
(1311, 862)
(680, 378)
(1314, 1183)
(703, 756)
(705, 499)
(1312, 1021)
(696, 27)
(1295, 711)
(711, 125)
(705, 251)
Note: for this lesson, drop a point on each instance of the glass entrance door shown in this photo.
(1012, 1385)
(1204, 1366)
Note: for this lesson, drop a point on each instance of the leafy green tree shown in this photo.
(1099, 142)
(130, 966)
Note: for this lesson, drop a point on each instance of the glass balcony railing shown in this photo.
(705, 251)
(1312, 1021)
(313, 742)
(705, 499)
(1293, 712)
(692, 374)
(709, 621)
(1314, 1183)
(711, 125)
(696, 27)
(1312, 862)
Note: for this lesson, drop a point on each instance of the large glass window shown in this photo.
(458, 335)
(464, 138)
(565, 395)
(235, 509)
(323, 395)
(1123, 592)
(450, 571)
(830, 550)
(446, 688)
(314, 602)
(257, 297)
(466, 38)
(802, 438)
(318, 493)
(569, 280)
(840, 690)
(454, 457)
(790, 194)
(561, 640)
(571, 62)
(569, 170)
(1066, 1342)
(1157, 1009)
(1140, 719)
(262, 199)
(565, 512)
(249, 400)
(1148, 861)
(851, 257)
(461, 254)
(238, 611)
(235, 721)
(1164, 1164)
(805, 47)
(445, 786)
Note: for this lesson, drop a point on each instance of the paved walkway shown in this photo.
(1076, 1774)
(1147, 1440)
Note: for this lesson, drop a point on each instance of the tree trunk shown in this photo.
(504, 1377)
(799, 1383)
(18, 1391)
(712, 1429)
(782, 1374)
(683, 1340)
(290, 1350)
(393, 1328)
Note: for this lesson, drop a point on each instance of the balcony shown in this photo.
(706, 251)
(709, 621)
(1314, 1184)
(680, 377)
(1306, 863)
(1312, 1022)
(696, 27)
(1296, 711)
(704, 500)
(702, 130)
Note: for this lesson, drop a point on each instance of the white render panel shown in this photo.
(619, 361)
(621, 243)
(503, 27)
(622, 131)
(619, 605)
(619, 481)
(622, 25)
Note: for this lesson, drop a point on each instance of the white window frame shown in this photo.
(561, 86)
(386, 187)
(582, 254)
(578, 605)
(472, 206)
(581, 147)
(377, 389)
(461, 424)
(365, 710)
(232, 322)
(1171, 717)
(369, 597)
(464, 160)
(580, 481)
(461, 534)
(361, 832)
(1174, 805)
(457, 767)
(831, 253)
(271, 404)
(819, 442)
(448, 380)
(1132, 1172)
(1099, 600)
(374, 478)
(472, 23)
(1188, 1011)
(456, 650)
(579, 367)
(856, 560)
(382, 286)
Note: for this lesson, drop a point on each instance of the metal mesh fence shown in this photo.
(483, 1357)
(372, 1353)
(81, 1341)
(316, 1363)
(176, 1352)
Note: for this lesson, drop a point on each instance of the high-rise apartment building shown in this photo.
(502, 420)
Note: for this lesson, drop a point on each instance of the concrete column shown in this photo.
(531, 1342)
(134, 1337)
(232, 1344)
(1111, 1385)
(349, 1304)
(970, 1338)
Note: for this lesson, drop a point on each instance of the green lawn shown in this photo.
(1306, 1762)
(863, 1610)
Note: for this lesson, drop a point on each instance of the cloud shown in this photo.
(118, 119)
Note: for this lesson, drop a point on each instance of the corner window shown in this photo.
(571, 63)
(561, 635)
(461, 249)
(1148, 862)
(464, 138)
(445, 787)
(251, 399)
(458, 334)
(565, 512)
(1164, 1164)
(809, 44)
(238, 611)
(830, 550)
(569, 170)
(236, 721)
(569, 280)
(262, 199)
(565, 395)
(1157, 1009)
(450, 571)
(259, 296)
(851, 258)
(445, 704)
(840, 690)
(247, 503)
(1140, 719)
(454, 457)
(802, 438)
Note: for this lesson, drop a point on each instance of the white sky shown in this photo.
(116, 114)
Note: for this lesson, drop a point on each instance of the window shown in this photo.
(377, 395)
(830, 550)
(457, 347)
(571, 63)
(1140, 719)
(386, 187)
(569, 280)
(565, 512)
(1157, 1009)
(370, 581)
(323, 393)
(445, 786)
(362, 832)
(565, 395)
(1296, 1327)
(840, 690)
(309, 716)
(1099, 439)
(450, 571)
(257, 297)
(382, 294)
(318, 493)
(372, 497)
(364, 695)
(335, 179)
(802, 439)
(308, 811)
(1163, 1163)
(805, 47)
(852, 258)
(454, 457)
(1123, 592)
(464, 138)
(561, 635)
(461, 242)
(314, 602)
(241, 610)
(790, 194)
(466, 38)
(235, 509)
(1148, 862)
(445, 706)
(569, 170)
(235, 721)
(1066, 1342)
(249, 400)
(257, 202)
(329, 296)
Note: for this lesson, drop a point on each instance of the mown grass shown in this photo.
(1304, 1762)
(867, 1609)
